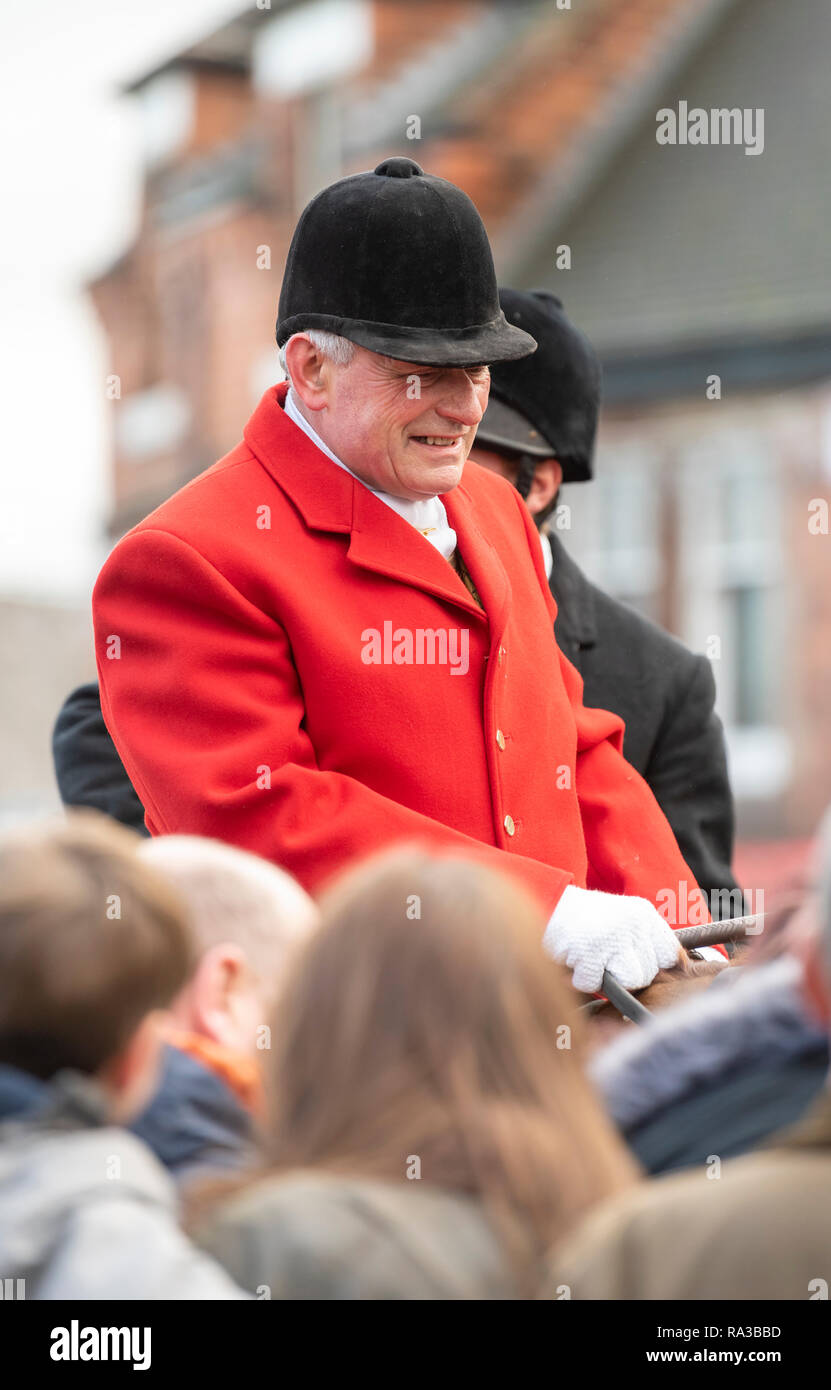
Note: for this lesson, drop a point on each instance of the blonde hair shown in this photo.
(234, 896)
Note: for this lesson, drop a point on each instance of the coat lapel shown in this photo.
(383, 541)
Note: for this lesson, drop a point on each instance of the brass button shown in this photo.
(500, 656)
(509, 824)
(500, 739)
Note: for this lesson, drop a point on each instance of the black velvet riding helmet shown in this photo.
(545, 406)
(399, 262)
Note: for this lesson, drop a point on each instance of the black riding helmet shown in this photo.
(545, 406)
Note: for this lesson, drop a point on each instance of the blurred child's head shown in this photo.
(245, 915)
(94, 945)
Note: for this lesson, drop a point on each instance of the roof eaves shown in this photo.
(226, 49)
(567, 180)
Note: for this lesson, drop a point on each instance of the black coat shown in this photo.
(88, 769)
(194, 1123)
(665, 695)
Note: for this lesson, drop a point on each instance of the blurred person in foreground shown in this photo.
(245, 915)
(431, 1131)
(538, 432)
(94, 946)
(718, 1073)
(757, 1228)
(340, 636)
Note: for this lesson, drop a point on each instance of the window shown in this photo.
(730, 582)
(615, 526)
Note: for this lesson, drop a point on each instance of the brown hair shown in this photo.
(422, 1020)
(91, 941)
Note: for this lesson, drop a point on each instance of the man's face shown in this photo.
(403, 429)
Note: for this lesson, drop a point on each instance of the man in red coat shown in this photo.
(340, 636)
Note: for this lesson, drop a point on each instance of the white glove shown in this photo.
(591, 932)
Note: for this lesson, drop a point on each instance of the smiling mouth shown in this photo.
(437, 441)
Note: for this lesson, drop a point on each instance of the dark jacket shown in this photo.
(88, 769)
(194, 1124)
(718, 1073)
(665, 695)
(20, 1093)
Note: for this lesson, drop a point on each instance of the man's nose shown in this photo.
(461, 401)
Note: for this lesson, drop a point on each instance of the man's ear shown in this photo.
(309, 371)
(205, 1005)
(548, 477)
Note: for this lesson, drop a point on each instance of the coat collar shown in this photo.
(330, 499)
(574, 596)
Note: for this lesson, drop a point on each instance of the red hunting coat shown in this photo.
(235, 635)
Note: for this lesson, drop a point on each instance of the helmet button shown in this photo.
(399, 167)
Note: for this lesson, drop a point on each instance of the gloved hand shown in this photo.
(591, 932)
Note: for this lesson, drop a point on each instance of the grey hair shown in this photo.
(332, 346)
(234, 896)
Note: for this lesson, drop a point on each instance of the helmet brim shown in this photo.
(497, 341)
(504, 428)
